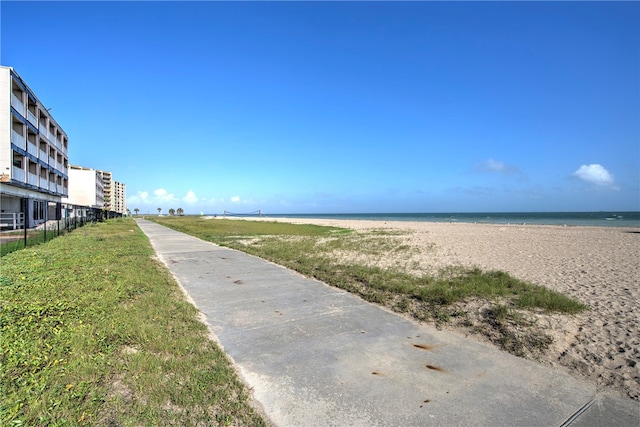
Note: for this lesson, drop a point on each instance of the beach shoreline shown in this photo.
(598, 266)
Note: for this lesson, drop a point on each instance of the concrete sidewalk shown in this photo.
(318, 356)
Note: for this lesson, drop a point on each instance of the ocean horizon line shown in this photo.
(585, 218)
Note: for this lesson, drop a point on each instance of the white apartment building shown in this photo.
(86, 187)
(107, 179)
(114, 194)
(96, 189)
(119, 196)
(33, 155)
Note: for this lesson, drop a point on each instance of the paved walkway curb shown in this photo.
(318, 356)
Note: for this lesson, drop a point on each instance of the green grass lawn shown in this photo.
(94, 331)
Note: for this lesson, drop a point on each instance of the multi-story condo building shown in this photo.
(86, 187)
(114, 194)
(119, 197)
(95, 189)
(107, 178)
(33, 155)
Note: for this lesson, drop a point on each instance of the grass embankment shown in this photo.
(94, 331)
(335, 256)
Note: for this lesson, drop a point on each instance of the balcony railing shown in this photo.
(12, 220)
(44, 183)
(52, 187)
(44, 131)
(33, 179)
(32, 118)
(43, 155)
(17, 174)
(17, 104)
(17, 139)
(32, 149)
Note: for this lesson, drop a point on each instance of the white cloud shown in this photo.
(594, 174)
(163, 196)
(235, 199)
(140, 196)
(160, 196)
(496, 166)
(190, 197)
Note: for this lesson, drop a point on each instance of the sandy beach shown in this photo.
(599, 266)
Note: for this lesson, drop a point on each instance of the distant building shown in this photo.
(33, 156)
(119, 196)
(114, 194)
(86, 187)
(96, 189)
(107, 179)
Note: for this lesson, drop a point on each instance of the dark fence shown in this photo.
(14, 240)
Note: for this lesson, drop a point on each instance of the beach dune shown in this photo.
(598, 266)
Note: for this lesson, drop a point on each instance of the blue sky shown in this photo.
(343, 107)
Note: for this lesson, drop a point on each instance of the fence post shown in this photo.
(58, 216)
(25, 206)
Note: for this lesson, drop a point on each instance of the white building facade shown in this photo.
(96, 189)
(107, 179)
(114, 194)
(33, 156)
(86, 187)
(119, 195)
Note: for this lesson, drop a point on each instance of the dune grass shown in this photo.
(309, 248)
(312, 250)
(95, 331)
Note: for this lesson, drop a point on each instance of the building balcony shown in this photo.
(17, 104)
(53, 187)
(43, 155)
(32, 149)
(17, 139)
(17, 174)
(44, 131)
(32, 118)
(33, 179)
(44, 183)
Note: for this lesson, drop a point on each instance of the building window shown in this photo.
(39, 208)
(18, 159)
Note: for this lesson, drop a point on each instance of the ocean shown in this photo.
(598, 219)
